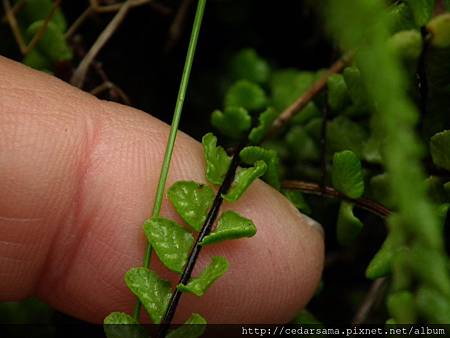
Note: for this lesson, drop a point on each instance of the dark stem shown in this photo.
(206, 229)
(314, 188)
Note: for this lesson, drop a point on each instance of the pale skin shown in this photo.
(78, 177)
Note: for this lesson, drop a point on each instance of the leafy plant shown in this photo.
(198, 205)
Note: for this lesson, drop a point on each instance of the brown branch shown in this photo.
(368, 303)
(315, 189)
(80, 73)
(304, 99)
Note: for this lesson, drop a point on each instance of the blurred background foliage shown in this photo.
(334, 143)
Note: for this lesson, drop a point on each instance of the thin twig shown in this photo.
(371, 299)
(115, 7)
(78, 22)
(80, 73)
(14, 26)
(303, 100)
(177, 25)
(315, 189)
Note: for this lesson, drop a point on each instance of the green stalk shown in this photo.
(174, 129)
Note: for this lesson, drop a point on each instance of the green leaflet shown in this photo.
(265, 122)
(297, 199)
(356, 87)
(381, 263)
(233, 122)
(301, 145)
(192, 328)
(407, 44)
(433, 306)
(231, 225)
(251, 154)
(440, 29)
(216, 158)
(122, 325)
(171, 242)
(436, 190)
(348, 226)
(347, 175)
(152, 291)
(422, 10)
(344, 134)
(199, 285)
(287, 85)
(247, 65)
(402, 307)
(379, 190)
(337, 92)
(439, 147)
(53, 44)
(242, 180)
(192, 201)
(314, 128)
(247, 95)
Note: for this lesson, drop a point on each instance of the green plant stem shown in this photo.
(174, 128)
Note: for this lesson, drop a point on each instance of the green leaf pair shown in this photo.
(243, 98)
(347, 177)
(253, 154)
(192, 201)
(218, 163)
